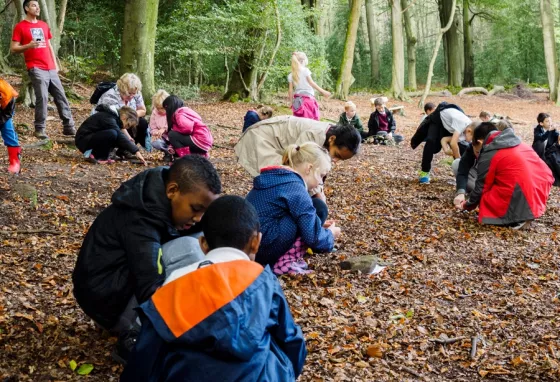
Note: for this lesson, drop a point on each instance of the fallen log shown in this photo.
(443, 93)
(472, 90)
(496, 90)
(400, 109)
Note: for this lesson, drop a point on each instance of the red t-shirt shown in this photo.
(41, 56)
(383, 122)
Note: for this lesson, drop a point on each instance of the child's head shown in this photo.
(479, 135)
(128, 117)
(171, 104)
(264, 112)
(299, 60)
(343, 142)
(310, 160)
(544, 120)
(429, 108)
(485, 116)
(469, 130)
(231, 221)
(157, 100)
(379, 103)
(191, 185)
(503, 124)
(350, 109)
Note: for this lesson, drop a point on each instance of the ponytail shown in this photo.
(308, 152)
(298, 59)
(345, 136)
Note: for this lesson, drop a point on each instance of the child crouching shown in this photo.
(224, 318)
(7, 108)
(290, 219)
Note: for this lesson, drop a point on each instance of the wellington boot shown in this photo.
(14, 154)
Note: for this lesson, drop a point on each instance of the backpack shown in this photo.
(101, 89)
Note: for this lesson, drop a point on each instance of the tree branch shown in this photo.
(482, 14)
(276, 47)
(62, 16)
(6, 6)
(409, 5)
(31, 231)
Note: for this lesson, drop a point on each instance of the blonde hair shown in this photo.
(349, 106)
(159, 97)
(379, 101)
(299, 59)
(130, 117)
(308, 152)
(129, 83)
(265, 111)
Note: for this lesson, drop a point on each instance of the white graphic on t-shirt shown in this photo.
(38, 35)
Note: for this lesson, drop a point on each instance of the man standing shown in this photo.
(32, 38)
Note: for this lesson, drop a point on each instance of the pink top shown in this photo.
(158, 122)
(187, 122)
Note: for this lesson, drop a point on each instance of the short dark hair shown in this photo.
(345, 136)
(542, 116)
(26, 3)
(192, 172)
(171, 104)
(429, 106)
(230, 221)
(481, 131)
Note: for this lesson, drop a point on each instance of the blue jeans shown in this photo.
(9, 135)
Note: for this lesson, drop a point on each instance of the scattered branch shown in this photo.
(472, 90)
(69, 81)
(407, 369)
(31, 231)
(447, 341)
(474, 343)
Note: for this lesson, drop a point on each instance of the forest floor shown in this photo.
(450, 277)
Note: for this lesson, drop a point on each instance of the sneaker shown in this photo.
(520, 225)
(424, 177)
(69, 130)
(91, 159)
(40, 134)
(125, 345)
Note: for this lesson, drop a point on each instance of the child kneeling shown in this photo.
(224, 318)
(290, 219)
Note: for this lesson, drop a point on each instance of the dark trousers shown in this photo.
(101, 143)
(179, 140)
(321, 208)
(139, 134)
(432, 145)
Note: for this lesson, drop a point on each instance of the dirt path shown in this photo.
(450, 276)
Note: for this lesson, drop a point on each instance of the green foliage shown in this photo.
(186, 92)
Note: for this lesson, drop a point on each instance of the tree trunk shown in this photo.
(320, 26)
(138, 42)
(397, 82)
(453, 46)
(373, 43)
(311, 20)
(263, 76)
(345, 78)
(468, 75)
(434, 56)
(410, 45)
(547, 17)
(240, 77)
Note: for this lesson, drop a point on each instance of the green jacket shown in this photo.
(355, 121)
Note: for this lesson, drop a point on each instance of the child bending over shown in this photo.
(467, 137)
(158, 123)
(544, 134)
(7, 108)
(350, 117)
(254, 116)
(290, 219)
(224, 318)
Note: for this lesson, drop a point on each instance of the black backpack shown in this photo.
(101, 89)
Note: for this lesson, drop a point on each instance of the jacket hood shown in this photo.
(146, 193)
(497, 140)
(216, 319)
(276, 175)
(108, 109)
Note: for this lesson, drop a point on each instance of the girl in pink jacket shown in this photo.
(187, 133)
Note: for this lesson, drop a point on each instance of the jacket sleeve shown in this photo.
(540, 134)
(392, 123)
(359, 125)
(8, 112)
(552, 137)
(372, 125)
(467, 161)
(484, 176)
(286, 332)
(309, 225)
(143, 249)
(183, 123)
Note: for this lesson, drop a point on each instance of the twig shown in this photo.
(31, 231)
(407, 369)
(70, 82)
(474, 343)
(447, 341)
(222, 147)
(226, 127)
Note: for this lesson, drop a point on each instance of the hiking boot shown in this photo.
(40, 134)
(69, 130)
(125, 345)
(424, 177)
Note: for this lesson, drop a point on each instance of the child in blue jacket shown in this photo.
(224, 318)
(289, 217)
(255, 116)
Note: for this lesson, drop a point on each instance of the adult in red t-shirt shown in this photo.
(32, 38)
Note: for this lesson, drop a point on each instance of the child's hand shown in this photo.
(335, 230)
(328, 223)
(326, 94)
(139, 156)
(458, 200)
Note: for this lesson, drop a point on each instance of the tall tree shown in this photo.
(345, 77)
(56, 23)
(397, 82)
(452, 45)
(434, 55)
(410, 44)
(547, 17)
(138, 42)
(373, 43)
(468, 75)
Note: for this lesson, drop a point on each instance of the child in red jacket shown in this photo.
(187, 133)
